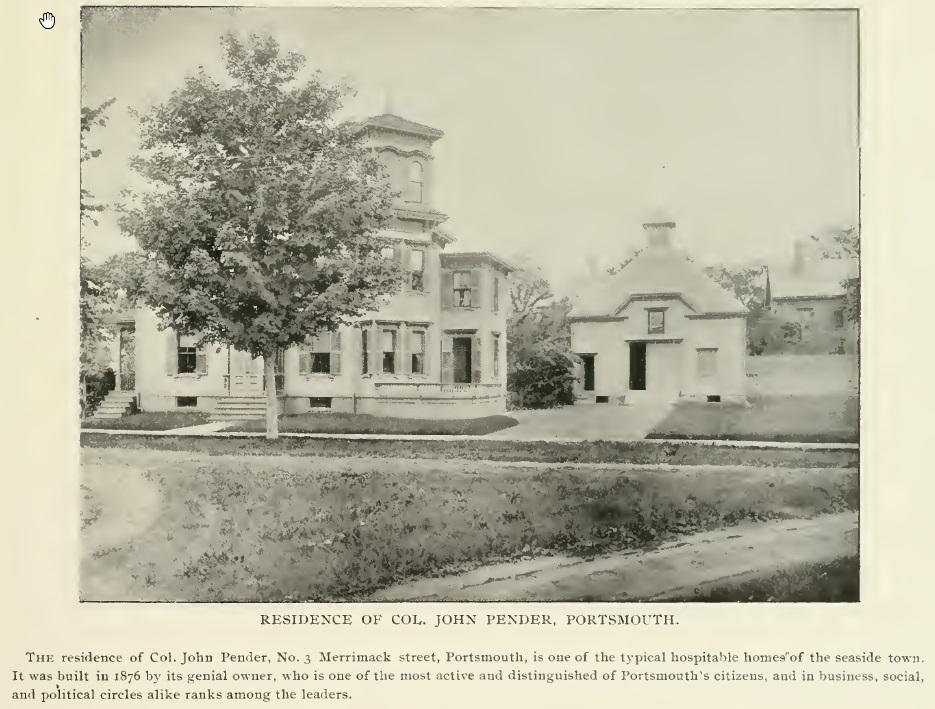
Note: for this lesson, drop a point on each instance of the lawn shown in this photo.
(151, 421)
(830, 418)
(161, 526)
(482, 449)
(365, 423)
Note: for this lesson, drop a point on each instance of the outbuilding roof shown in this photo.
(661, 271)
(398, 124)
(822, 278)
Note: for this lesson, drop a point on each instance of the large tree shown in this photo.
(258, 228)
(540, 364)
(95, 301)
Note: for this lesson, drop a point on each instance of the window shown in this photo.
(806, 315)
(320, 402)
(496, 295)
(388, 252)
(186, 402)
(319, 358)
(188, 360)
(414, 186)
(656, 321)
(839, 319)
(496, 354)
(462, 289)
(388, 346)
(364, 353)
(416, 269)
(417, 342)
(707, 361)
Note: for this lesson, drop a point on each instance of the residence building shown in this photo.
(659, 328)
(437, 349)
(809, 295)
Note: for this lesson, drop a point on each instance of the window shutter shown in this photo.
(426, 359)
(172, 352)
(448, 285)
(336, 352)
(375, 348)
(398, 253)
(447, 366)
(476, 357)
(475, 288)
(305, 361)
(201, 361)
(405, 361)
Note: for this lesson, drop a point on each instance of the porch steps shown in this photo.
(240, 408)
(116, 404)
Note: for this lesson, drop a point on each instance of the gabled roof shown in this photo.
(398, 124)
(822, 278)
(659, 271)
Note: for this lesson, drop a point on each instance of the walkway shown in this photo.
(598, 422)
(674, 570)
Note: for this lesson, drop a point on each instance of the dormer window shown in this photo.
(414, 186)
(656, 321)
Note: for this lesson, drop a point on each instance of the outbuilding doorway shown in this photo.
(637, 366)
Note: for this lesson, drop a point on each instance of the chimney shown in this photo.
(593, 265)
(659, 234)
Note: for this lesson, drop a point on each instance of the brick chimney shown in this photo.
(659, 233)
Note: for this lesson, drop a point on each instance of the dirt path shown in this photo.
(741, 553)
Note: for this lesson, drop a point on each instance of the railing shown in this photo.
(127, 381)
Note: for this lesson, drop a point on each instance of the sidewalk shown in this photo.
(208, 431)
(674, 570)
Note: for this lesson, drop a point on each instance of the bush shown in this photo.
(541, 382)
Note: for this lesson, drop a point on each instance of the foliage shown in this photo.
(95, 300)
(281, 530)
(844, 244)
(258, 228)
(540, 364)
(613, 270)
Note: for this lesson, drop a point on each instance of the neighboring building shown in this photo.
(437, 349)
(658, 328)
(808, 297)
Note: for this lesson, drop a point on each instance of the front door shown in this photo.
(246, 374)
(127, 358)
(637, 366)
(461, 349)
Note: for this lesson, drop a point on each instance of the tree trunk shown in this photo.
(272, 408)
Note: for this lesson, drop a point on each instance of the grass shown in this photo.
(286, 528)
(831, 418)
(366, 423)
(152, 421)
(642, 452)
(829, 582)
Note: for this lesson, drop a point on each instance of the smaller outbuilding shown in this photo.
(659, 328)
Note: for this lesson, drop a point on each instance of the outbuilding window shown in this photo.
(707, 361)
(655, 321)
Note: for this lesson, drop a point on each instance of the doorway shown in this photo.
(127, 357)
(461, 349)
(638, 366)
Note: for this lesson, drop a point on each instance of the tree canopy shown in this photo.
(258, 228)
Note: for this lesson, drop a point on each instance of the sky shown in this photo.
(565, 130)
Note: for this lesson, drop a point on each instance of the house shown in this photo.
(437, 349)
(809, 294)
(659, 328)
